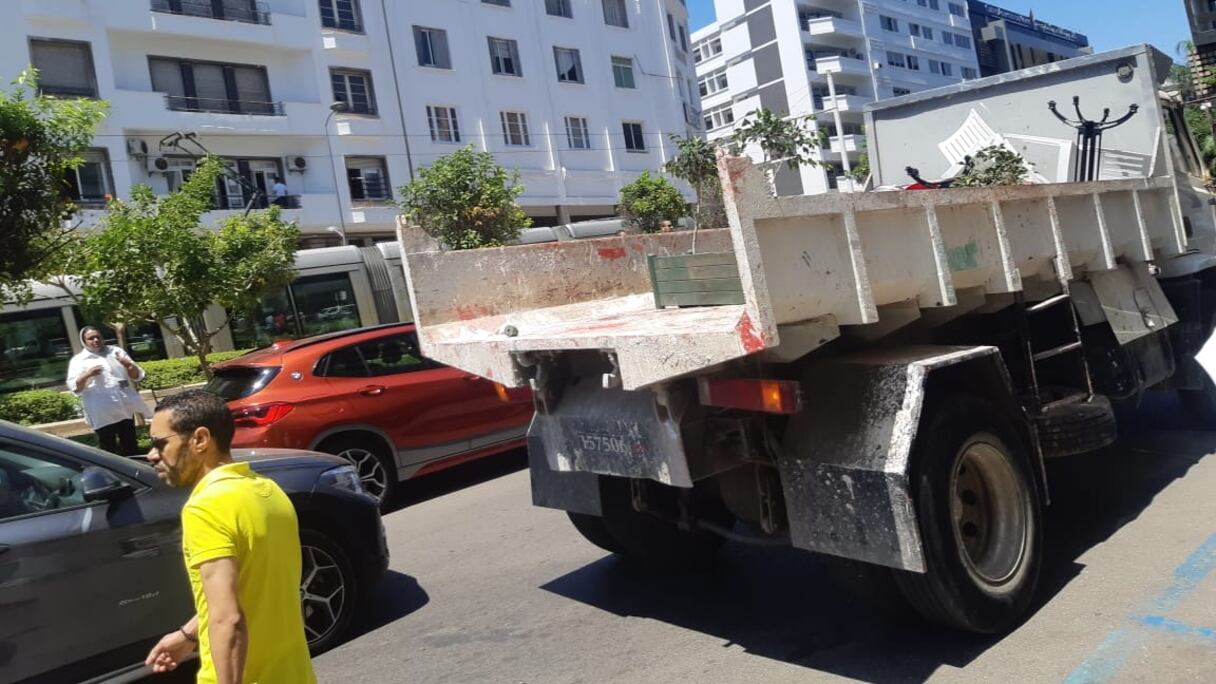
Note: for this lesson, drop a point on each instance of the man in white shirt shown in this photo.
(279, 189)
(104, 378)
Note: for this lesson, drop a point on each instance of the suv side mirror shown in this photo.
(99, 484)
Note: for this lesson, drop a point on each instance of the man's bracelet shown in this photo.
(187, 635)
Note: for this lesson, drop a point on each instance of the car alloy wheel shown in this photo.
(371, 471)
(323, 593)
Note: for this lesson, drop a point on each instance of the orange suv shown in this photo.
(371, 397)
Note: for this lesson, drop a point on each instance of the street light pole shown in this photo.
(334, 108)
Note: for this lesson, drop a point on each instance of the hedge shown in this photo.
(167, 373)
(34, 407)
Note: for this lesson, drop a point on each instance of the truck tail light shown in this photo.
(512, 395)
(261, 415)
(767, 396)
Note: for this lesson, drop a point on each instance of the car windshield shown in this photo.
(238, 382)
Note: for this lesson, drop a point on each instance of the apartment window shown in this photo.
(89, 183)
(569, 65)
(368, 179)
(683, 37)
(719, 117)
(920, 31)
(443, 124)
(341, 14)
(515, 129)
(504, 57)
(431, 44)
(888, 23)
(969, 73)
(913, 62)
(897, 92)
(355, 89)
(196, 86)
(957, 9)
(576, 133)
(947, 38)
(671, 27)
(947, 69)
(914, 29)
(935, 67)
(962, 41)
(707, 49)
(65, 68)
(713, 82)
(634, 141)
(896, 59)
(500, 3)
(614, 13)
(559, 8)
(622, 72)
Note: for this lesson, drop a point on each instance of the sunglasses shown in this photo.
(159, 443)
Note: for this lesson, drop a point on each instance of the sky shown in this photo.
(1109, 24)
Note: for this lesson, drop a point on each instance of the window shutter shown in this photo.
(63, 67)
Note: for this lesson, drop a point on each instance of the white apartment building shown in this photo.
(825, 59)
(578, 95)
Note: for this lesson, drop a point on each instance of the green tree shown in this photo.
(466, 201)
(649, 200)
(150, 261)
(993, 165)
(41, 139)
(696, 163)
(785, 143)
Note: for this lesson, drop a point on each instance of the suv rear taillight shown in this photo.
(261, 415)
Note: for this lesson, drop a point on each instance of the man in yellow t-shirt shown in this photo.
(241, 541)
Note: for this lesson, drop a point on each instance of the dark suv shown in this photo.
(91, 569)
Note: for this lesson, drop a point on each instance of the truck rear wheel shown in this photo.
(980, 519)
(594, 530)
(648, 539)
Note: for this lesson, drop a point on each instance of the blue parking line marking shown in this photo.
(1176, 627)
(1112, 654)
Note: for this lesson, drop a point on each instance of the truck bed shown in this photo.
(808, 265)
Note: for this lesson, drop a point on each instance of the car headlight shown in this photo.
(344, 477)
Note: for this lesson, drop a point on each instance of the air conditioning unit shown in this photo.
(157, 164)
(295, 163)
(137, 147)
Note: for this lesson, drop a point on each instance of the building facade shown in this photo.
(578, 95)
(825, 59)
(1202, 60)
(1007, 41)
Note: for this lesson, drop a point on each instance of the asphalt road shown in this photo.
(486, 588)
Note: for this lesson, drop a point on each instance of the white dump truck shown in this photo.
(877, 376)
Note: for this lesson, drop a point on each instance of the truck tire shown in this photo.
(1200, 404)
(1077, 428)
(594, 530)
(648, 539)
(977, 502)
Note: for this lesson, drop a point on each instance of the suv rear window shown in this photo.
(239, 382)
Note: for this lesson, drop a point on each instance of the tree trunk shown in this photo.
(120, 335)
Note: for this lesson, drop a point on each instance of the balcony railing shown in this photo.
(239, 201)
(253, 14)
(183, 103)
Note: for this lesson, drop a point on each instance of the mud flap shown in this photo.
(575, 492)
(845, 464)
